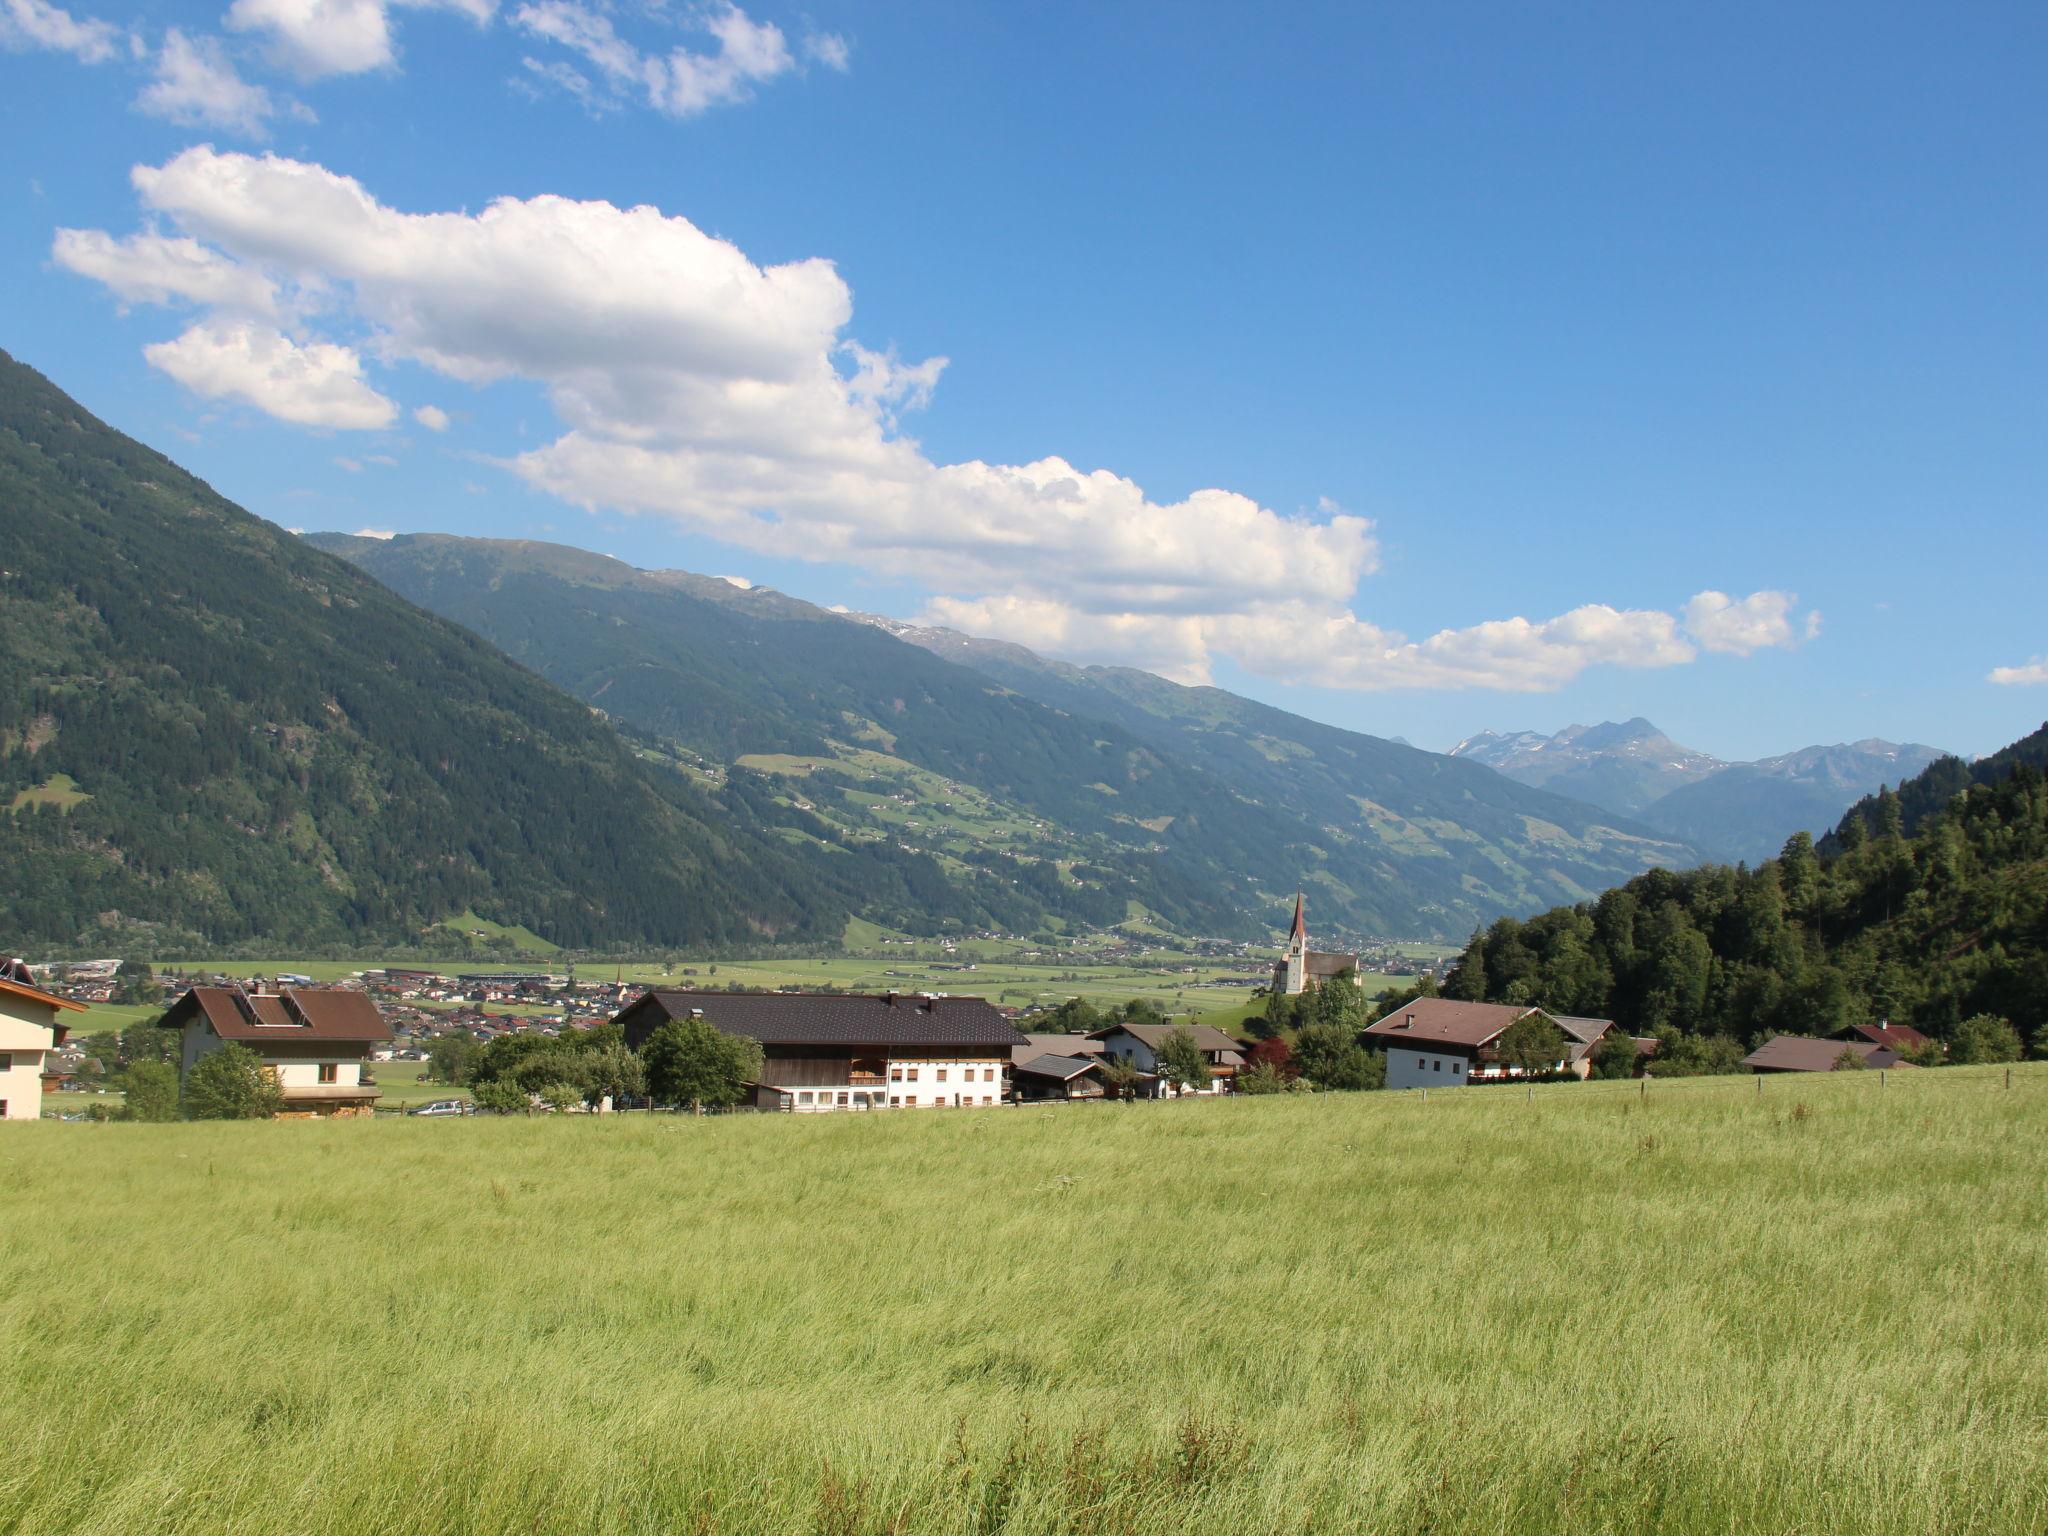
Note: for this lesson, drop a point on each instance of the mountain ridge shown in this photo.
(1187, 802)
(1729, 810)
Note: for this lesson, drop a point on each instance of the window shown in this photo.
(913, 1074)
(843, 1101)
(803, 1098)
(6, 1062)
(1457, 1066)
(895, 1074)
(3, 1109)
(1436, 1065)
(988, 1074)
(942, 1074)
(330, 1072)
(987, 1099)
(894, 1101)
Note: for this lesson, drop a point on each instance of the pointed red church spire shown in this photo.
(1299, 933)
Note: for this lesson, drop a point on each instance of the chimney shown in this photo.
(891, 1000)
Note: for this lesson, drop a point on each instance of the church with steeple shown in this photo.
(1300, 967)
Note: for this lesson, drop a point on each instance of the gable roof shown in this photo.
(1443, 1021)
(1899, 1037)
(1795, 1053)
(1585, 1031)
(1033, 1044)
(294, 1016)
(1064, 1068)
(1207, 1036)
(30, 992)
(820, 1018)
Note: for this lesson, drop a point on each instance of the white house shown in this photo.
(29, 1032)
(1436, 1042)
(1139, 1044)
(834, 1051)
(313, 1043)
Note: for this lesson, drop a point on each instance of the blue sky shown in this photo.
(1556, 363)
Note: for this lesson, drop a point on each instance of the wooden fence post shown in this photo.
(1759, 1085)
(1643, 1089)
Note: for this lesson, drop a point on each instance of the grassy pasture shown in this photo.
(1707, 1311)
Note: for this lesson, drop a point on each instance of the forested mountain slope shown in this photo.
(1923, 927)
(211, 732)
(1925, 795)
(1208, 821)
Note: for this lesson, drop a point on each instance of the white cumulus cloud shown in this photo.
(36, 24)
(1738, 627)
(197, 86)
(316, 385)
(432, 417)
(317, 38)
(2035, 671)
(729, 398)
(162, 269)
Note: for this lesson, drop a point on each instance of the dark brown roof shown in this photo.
(1899, 1037)
(295, 1015)
(1322, 962)
(1795, 1053)
(1441, 1021)
(819, 1018)
(36, 994)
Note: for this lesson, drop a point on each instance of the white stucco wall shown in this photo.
(1424, 1069)
(292, 1071)
(913, 1082)
(26, 1036)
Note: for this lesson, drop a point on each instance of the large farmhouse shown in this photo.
(1301, 968)
(1435, 1042)
(29, 1031)
(850, 1051)
(312, 1042)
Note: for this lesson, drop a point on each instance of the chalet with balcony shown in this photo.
(1139, 1044)
(825, 1051)
(1436, 1042)
(315, 1043)
(30, 1032)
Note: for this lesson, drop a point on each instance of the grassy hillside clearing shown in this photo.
(1707, 1311)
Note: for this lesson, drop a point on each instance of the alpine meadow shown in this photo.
(1683, 1310)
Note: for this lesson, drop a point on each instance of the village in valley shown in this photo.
(321, 1050)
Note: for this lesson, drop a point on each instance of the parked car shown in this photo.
(446, 1107)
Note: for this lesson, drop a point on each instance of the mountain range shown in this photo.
(1729, 811)
(1132, 797)
(214, 733)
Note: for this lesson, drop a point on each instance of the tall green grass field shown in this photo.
(1814, 1309)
